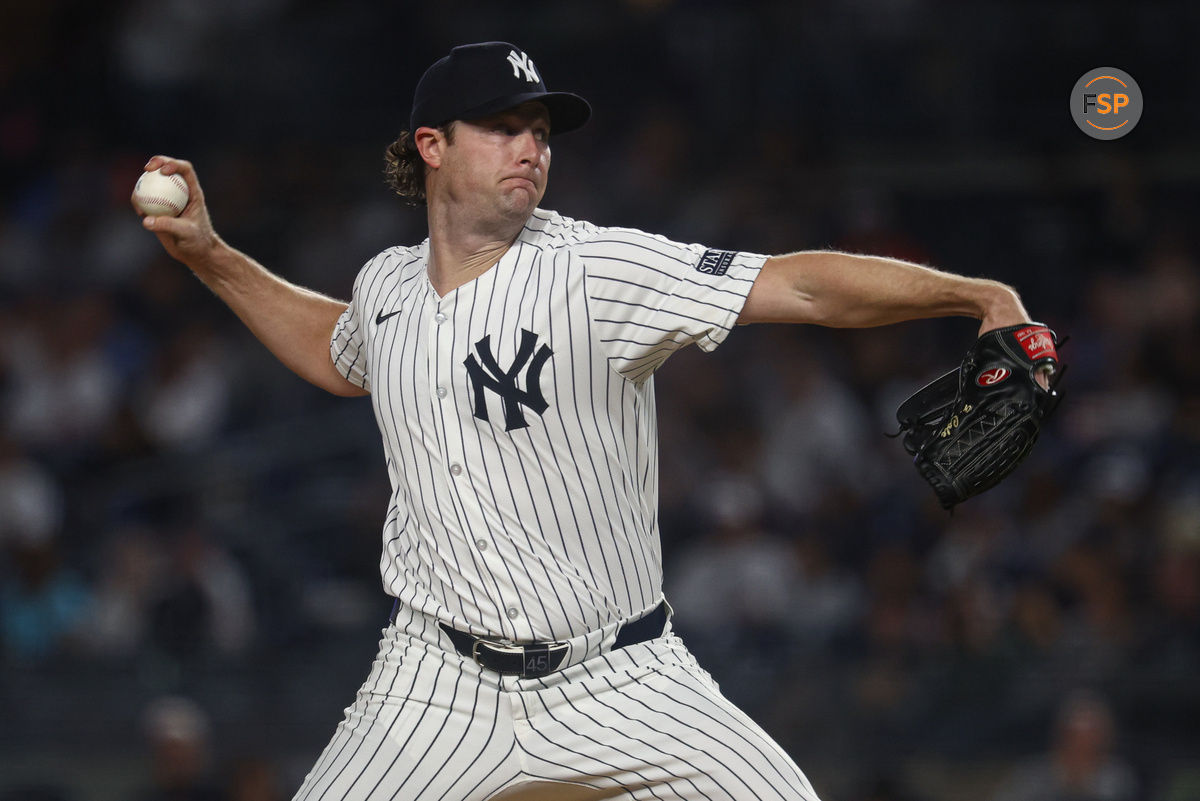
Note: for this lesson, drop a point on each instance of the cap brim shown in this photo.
(568, 111)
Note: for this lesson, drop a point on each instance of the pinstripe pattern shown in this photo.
(535, 526)
(645, 720)
(548, 531)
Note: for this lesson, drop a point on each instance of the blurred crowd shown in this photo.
(189, 534)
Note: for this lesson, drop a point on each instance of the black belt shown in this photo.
(534, 660)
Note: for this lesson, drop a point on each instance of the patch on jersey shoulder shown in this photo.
(715, 262)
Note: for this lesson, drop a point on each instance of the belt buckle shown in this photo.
(535, 657)
(499, 646)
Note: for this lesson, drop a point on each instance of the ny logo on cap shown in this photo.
(521, 63)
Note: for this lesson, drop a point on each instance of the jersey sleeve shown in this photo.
(650, 296)
(347, 347)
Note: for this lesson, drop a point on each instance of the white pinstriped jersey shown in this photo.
(518, 419)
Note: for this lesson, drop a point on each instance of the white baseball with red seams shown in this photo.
(159, 195)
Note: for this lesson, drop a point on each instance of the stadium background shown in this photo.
(189, 534)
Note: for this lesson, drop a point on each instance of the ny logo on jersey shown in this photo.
(521, 63)
(489, 375)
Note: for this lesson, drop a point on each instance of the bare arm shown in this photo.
(843, 290)
(294, 323)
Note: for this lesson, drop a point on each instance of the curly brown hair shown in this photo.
(405, 169)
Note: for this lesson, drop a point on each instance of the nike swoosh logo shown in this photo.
(381, 317)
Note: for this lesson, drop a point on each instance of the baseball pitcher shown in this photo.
(510, 360)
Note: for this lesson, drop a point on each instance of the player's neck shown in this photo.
(460, 253)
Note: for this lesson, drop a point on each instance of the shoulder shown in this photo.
(636, 247)
(398, 255)
(549, 229)
(395, 259)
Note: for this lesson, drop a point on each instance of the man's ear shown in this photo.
(431, 144)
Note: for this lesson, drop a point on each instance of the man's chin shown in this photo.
(520, 203)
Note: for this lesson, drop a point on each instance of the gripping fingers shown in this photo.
(169, 165)
(184, 169)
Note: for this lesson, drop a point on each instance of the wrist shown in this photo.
(220, 265)
(999, 306)
(214, 258)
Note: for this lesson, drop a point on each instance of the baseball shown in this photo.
(158, 195)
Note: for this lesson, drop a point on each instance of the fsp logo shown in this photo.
(1106, 103)
(523, 63)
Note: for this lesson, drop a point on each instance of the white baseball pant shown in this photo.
(641, 722)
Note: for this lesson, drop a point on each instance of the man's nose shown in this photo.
(527, 147)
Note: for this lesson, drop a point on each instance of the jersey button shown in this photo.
(441, 392)
(439, 318)
(481, 544)
(513, 612)
(456, 470)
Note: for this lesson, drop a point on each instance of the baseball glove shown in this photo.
(970, 428)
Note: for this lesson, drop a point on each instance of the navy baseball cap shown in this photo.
(476, 80)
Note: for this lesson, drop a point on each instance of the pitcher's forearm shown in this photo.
(845, 290)
(294, 323)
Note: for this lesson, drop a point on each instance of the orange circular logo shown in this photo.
(1106, 103)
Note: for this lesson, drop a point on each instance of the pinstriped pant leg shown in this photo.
(425, 725)
(649, 719)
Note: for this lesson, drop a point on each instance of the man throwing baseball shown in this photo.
(510, 359)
